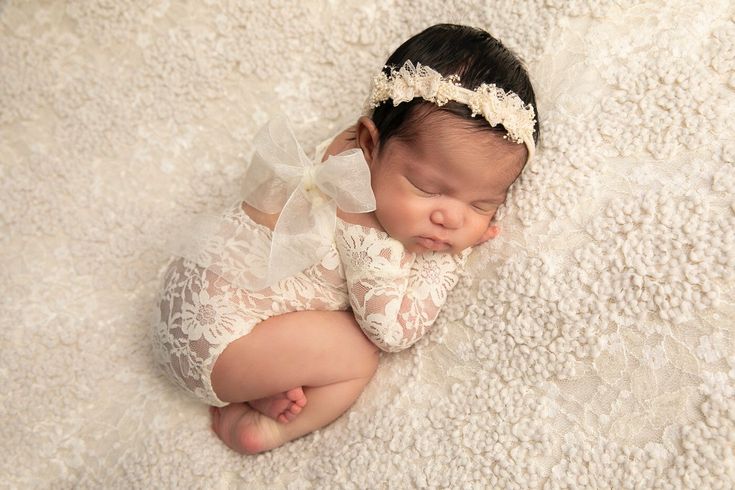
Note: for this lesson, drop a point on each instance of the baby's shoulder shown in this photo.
(346, 140)
(342, 142)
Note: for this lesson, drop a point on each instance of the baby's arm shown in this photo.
(395, 295)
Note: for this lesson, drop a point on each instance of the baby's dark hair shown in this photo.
(474, 55)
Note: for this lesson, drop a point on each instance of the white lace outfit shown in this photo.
(394, 294)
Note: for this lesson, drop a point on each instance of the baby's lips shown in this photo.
(433, 244)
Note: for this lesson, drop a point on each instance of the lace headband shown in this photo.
(494, 104)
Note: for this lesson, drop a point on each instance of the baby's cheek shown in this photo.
(410, 210)
(419, 207)
(397, 217)
(479, 226)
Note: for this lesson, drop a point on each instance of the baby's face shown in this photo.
(441, 191)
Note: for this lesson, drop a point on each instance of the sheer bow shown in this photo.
(306, 193)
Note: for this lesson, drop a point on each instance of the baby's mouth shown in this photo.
(434, 244)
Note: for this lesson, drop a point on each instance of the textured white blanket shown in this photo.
(594, 345)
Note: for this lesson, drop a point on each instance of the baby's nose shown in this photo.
(448, 218)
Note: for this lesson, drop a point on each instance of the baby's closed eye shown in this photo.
(485, 207)
(423, 188)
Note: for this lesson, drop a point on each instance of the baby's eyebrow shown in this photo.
(495, 200)
(418, 176)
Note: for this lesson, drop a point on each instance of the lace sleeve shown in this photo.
(395, 295)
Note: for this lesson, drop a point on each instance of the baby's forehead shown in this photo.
(464, 152)
(441, 132)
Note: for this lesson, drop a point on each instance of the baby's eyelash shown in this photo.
(483, 209)
(424, 191)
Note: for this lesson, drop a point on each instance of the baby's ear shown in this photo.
(368, 137)
(491, 232)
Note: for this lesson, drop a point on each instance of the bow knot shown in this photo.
(281, 178)
(310, 186)
(309, 179)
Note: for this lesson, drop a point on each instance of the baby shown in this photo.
(278, 318)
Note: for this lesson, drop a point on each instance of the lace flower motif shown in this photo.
(494, 104)
(436, 274)
(207, 316)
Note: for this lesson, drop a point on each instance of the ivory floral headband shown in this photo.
(494, 104)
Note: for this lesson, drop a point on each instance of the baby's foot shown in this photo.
(244, 430)
(283, 407)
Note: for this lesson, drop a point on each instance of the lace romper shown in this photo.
(395, 295)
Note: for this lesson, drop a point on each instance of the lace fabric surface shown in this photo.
(201, 312)
(395, 295)
(591, 346)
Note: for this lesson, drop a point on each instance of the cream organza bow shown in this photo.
(306, 192)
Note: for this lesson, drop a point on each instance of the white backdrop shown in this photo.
(593, 346)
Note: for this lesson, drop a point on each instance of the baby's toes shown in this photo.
(296, 395)
(294, 409)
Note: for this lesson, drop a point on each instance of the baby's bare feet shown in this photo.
(283, 407)
(244, 430)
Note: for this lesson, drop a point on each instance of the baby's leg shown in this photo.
(325, 352)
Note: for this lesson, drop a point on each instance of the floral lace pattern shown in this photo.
(591, 347)
(395, 295)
